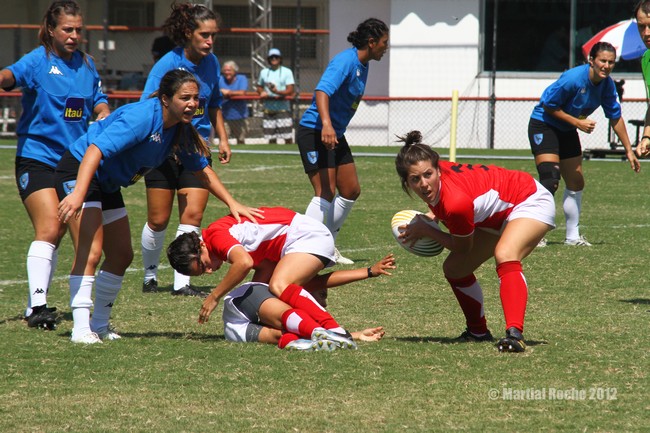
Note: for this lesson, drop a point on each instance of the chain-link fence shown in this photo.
(125, 63)
(379, 120)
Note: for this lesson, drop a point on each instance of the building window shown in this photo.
(535, 35)
(132, 14)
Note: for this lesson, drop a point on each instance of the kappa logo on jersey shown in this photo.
(74, 110)
(358, 73)
(155, 137)
(312, 157)
(68, 186)
(23, 181)
(538, 138)
(583, 90)
(200, 111)
(55, 71)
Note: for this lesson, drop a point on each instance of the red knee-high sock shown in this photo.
(470, 297)
(514, 293)
(299, 298)
(298, 322)
(287, 338)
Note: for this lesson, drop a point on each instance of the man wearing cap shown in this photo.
(276, 86)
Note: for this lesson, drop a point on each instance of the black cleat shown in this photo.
(513, 342)
(42, 317)
(150, 286)
(468, 337)
(189, 291)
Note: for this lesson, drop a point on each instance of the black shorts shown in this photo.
(315, 156)
(545, 138)
(33, 175)
(66, 178)
(172, 175)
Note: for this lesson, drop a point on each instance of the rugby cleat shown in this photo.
(108, 333)
(339, 259)
(468, 337)
(87, 338)
(150, 286)
(513, 342)
(305, 345)
(580, 242)
(189, 291)
(42, 317)
(344, 341)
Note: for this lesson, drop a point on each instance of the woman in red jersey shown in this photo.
(489, 212)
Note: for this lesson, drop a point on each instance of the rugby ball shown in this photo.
(424, 247)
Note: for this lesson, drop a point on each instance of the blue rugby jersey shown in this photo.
(133, 142)
(344, 81)
(575, 94)
(207, 73)
(58, 100)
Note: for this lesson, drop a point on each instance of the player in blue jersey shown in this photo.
(325, 153)
(553, 130)
(61, 92)
(193, 28)
(115, 153)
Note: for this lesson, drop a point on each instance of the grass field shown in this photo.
(586, 368)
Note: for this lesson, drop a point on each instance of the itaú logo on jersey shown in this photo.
(200, 111)
(74, 110)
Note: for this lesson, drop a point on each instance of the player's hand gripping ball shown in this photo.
(424, 247)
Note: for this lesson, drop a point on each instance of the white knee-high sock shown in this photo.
(40, 258)
(152, 244)
(339, 211)
(181, 280)
(572, 204)
(55, 261)
(318, 208)
(107, 286)
(81, 289)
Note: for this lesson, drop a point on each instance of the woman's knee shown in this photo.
(117, 262)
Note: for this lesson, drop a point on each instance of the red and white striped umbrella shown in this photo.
(625, 38)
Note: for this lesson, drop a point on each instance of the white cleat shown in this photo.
(108, 333)
(87, 338)
(304, 345)
(580, 242)
(338, 258)
(343, 341)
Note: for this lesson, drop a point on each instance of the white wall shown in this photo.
(344, 17)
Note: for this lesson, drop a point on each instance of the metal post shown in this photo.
(493, 98)
(296, 65)
(105, 51)
(572, 34)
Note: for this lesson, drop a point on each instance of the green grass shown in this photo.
(587, 328)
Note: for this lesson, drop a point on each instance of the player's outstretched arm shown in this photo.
(338, 278)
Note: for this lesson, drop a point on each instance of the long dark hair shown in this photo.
(187, 139)
(183, 251)
(51, 20)
(411, 153)
(184, 19)
(370, 28)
